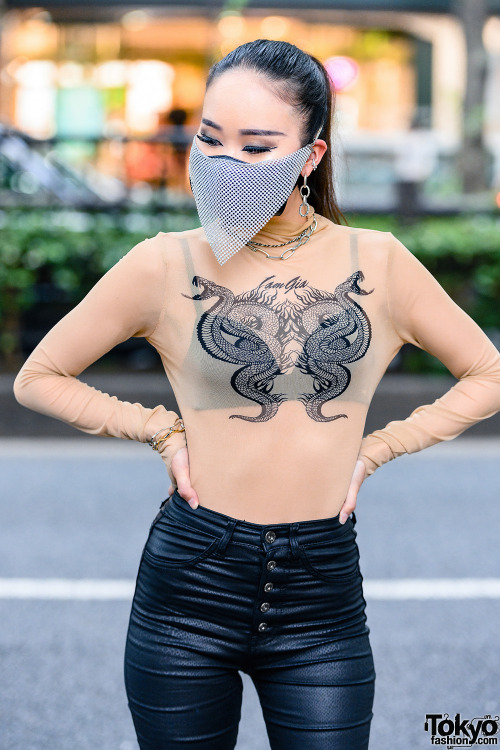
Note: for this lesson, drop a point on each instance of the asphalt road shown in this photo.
(81, 509)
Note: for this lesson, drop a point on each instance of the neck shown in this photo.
(288, 225)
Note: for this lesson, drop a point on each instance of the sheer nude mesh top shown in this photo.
(273, 363)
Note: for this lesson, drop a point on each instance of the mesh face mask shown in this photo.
(235, 199)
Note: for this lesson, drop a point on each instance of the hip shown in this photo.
(278, 586)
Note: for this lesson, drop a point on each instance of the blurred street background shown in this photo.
(99, 104)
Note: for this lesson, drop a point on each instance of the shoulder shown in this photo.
(175, 254)
(385, 246)
(374, 245)
(366, 234)
(172, 245)
(142, 264)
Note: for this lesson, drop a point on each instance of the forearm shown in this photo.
(421, 313)
(469, 401)
(42, 387)
(127, 301)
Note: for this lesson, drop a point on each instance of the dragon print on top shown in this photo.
(264, 328)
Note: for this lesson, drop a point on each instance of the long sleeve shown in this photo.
(423, 314)
(127, 301)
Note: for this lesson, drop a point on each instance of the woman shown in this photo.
(275, 324)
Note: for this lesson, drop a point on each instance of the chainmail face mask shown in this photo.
(235, 199)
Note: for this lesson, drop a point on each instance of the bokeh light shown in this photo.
(343, 71)
(275, 27)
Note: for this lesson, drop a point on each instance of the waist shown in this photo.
(213, 522)
(283, 470)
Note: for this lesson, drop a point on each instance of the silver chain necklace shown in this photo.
(301, 239)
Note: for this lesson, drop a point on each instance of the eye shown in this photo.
(206, 139)
(249, 149)
(257, 149)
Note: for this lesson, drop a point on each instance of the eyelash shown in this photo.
(249, 149)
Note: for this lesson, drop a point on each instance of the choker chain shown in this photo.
(301, 239)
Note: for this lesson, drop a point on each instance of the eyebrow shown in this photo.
(244, 131)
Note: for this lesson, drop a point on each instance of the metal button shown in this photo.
(263, 626)
(271, 564)
(269, 587)
(265, 606)
(270, 536)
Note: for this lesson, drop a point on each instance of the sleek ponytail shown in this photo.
(302, 81)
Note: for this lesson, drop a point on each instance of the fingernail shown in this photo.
(343, 517)
(193, 503)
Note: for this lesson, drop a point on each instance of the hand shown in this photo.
(357, 479)
(179, 477)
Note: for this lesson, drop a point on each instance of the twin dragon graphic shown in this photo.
(254, 331)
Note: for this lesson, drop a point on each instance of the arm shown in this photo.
(423, 314)
(127, 301)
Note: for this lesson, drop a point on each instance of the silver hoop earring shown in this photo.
(304, 203)
(314, 163)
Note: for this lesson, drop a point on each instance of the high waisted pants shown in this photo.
(281, 602)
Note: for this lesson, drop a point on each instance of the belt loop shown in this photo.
(165, 502)
(160, 512)
(293, 540)
(226, 537)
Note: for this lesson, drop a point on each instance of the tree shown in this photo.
(473, 158)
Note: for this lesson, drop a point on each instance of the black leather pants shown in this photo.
(281, 602)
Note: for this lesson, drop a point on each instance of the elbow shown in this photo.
(27, 386)
(488, 385)
(20, 387)
(30, 383)
(495, 380)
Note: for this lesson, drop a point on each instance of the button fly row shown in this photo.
(270, 537)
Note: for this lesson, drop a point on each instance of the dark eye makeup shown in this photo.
(250, 149)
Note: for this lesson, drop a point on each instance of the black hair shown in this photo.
(303, 82)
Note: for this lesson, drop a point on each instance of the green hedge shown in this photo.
(463, 253)
(65, 250)
(72, 250)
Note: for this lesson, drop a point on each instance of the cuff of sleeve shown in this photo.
(374, 452)
(159, 419)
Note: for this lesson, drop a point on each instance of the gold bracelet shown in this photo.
(178, 426)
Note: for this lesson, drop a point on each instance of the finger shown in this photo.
(352, 494)
(185, 489)
(360, 471)
(348, 507)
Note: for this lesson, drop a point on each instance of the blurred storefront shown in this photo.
(85, 76)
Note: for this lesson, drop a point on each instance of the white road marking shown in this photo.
(66, 588)
(123, 589)
(433, 588)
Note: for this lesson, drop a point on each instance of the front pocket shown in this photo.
(335, 560)
(173, 544)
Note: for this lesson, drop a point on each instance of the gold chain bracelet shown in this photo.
(178, 426)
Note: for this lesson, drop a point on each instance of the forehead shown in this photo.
(259, 107)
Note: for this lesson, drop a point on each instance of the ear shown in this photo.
(319, 149)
